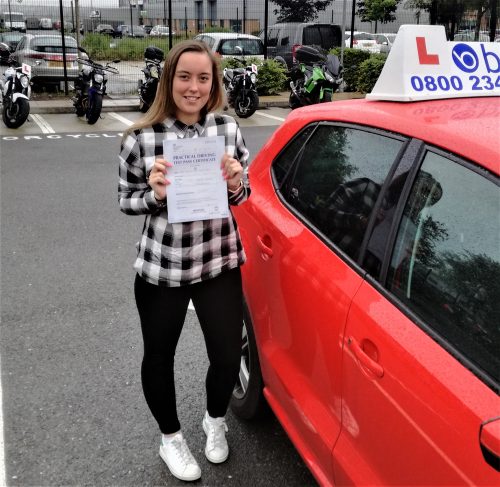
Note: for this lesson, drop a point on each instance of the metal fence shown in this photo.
(187, 18)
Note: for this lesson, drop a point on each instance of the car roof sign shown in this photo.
(423, 65)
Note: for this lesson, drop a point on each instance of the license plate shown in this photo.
(58, 64)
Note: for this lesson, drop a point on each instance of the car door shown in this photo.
(300, 264)
(421, 366)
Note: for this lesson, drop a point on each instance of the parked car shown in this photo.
(11, 39)
(107, 29)
(160, 31)
(371, 322)
(45, 23)
(362, 40)
(283, 39)
(68, 26)
(385, 42)
(470, 36)
(32, 23)
(225, 44)
(44, 53)
(147, 28)
(132, 31)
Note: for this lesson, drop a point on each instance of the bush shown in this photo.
(272, 78)
(368, 73)
(352, 60)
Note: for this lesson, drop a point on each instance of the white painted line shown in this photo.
(190, 306)
(42, 123)
(124, 120)
(270, 116)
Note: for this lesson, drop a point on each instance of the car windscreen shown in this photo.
(53, 44)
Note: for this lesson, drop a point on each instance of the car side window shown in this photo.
(446, 261)
(338, 181)
(312, 36)
(282, 164)
(272, 37)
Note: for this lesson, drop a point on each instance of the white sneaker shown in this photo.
(176, 454)
(216, 449)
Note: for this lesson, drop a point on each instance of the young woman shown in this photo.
(179, 262)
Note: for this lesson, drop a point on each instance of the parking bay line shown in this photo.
(270, 116)
(124, 120)
(42, 123)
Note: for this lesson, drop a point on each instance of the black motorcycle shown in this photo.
(314, 78)
(90, 87)
(240, 85)
(16, 91)
(153, 56)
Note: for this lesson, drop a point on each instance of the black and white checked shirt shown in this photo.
(177, 254)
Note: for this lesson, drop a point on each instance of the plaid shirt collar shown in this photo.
(182, 130)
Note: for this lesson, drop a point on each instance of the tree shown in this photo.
(299, 10)
(377, 10)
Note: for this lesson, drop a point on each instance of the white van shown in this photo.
(16, 18)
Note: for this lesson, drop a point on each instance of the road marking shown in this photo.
(124, 120)
(190, 306)
(42, 123)
(270, 116)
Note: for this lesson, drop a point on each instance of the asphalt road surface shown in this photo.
(73, 410)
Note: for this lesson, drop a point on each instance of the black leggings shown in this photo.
(219, 306)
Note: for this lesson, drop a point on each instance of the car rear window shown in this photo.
(326, 36)
(53, 44)
(250, 47)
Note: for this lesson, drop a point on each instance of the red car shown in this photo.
(372, 288)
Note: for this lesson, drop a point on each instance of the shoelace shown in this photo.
(182, 451)
(217, 430)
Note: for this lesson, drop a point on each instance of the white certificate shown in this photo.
(197, 189)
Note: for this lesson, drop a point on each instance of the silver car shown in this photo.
(44, 53)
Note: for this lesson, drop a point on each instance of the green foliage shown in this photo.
(377, 10)
(216, 29)
(352, 60)
(101, 47)
(299, 10)
(271, 76)
(368, 73)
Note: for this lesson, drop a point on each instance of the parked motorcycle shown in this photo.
(90, 87)
(153, 56)
(240, 85)
(314, 78)
(16, 91)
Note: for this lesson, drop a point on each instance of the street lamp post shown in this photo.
(132, 4)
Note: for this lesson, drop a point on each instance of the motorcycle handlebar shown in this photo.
(93, 64)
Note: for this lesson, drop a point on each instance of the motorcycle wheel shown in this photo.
(327, 96)
(143, 106)
(94, 110)
(244, 108)
(293, 101)
(15, 114)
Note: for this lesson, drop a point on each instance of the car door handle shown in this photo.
(264, 245)
(364, 359)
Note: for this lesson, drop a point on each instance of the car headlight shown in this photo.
(98, 78)
(25, 81)
(253, 77)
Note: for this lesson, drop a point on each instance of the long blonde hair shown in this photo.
(163, 104)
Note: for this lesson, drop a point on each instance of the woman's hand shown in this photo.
(232, 171)
(157, 178)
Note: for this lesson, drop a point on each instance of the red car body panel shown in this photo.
(344, 369)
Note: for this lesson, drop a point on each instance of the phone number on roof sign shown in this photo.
(454, 83)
